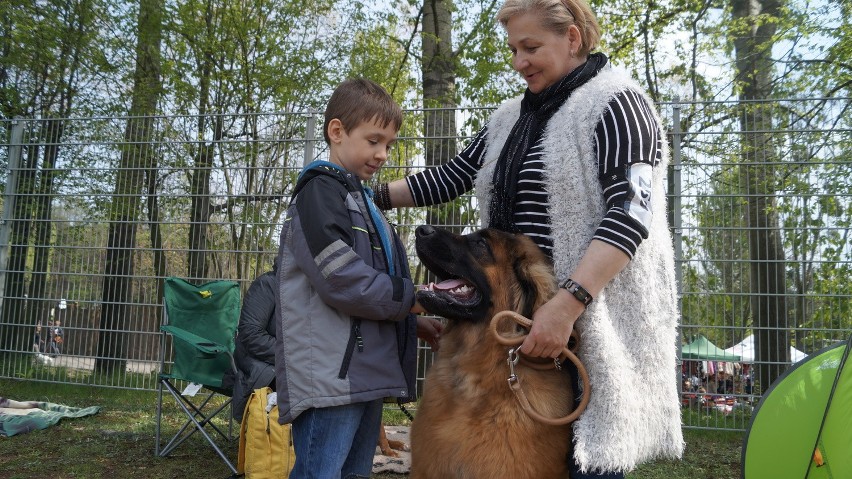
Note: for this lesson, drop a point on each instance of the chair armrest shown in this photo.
(203, 345)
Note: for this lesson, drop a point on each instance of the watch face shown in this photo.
(575, 289)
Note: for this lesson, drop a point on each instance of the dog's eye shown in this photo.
(479, 246)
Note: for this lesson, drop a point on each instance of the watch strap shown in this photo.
(577, 291)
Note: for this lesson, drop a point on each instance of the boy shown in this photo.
(345, 296)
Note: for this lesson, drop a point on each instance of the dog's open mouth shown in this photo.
(459, 291)
(456, 299)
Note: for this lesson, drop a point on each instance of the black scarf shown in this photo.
(536, 111)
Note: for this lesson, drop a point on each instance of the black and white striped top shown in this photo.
(626, 135)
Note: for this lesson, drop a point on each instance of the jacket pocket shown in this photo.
(355, 340)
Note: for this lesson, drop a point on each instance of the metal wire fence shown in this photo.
(97, 211)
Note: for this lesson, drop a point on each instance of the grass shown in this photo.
(118, 442)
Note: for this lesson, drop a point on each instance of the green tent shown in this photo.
(701, 349)
(802, 427)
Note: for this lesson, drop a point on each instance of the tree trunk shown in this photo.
(43, 226)
(438, 68)
(160, 265)
(15, 302)
(758, 176)
(199, 214)
(439, 92)
(129, 186)
(199, 185)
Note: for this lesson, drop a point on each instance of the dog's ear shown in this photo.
(536, 282)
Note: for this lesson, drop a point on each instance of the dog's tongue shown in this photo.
(449, 284)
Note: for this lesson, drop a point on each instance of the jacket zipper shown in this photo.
(355, 339)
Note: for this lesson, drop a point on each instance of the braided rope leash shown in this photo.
(515, 381)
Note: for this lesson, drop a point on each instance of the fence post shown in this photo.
(677, 217)
(677, 227)
(310, 137)
(15, 151)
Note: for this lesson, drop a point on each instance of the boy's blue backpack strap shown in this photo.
(384, 234)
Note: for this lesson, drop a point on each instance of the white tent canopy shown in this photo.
(745, 350)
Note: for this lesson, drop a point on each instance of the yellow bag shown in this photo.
(266, 447)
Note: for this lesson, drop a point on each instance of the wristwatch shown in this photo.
(578, 291)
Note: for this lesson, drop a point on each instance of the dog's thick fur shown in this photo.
(469, 423)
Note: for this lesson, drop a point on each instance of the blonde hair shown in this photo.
(557, 16)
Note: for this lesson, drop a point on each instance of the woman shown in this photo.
(577, 163)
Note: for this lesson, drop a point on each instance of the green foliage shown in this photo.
(484, 75)
(379, 54)
(51, 59)
(811, 201)
(254, 56)
(262, 55)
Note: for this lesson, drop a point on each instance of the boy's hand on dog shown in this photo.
(552, 325)
(429, 330)
(417, 308)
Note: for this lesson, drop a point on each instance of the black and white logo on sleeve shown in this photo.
(637, 205)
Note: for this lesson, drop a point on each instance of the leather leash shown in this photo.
(515, 381)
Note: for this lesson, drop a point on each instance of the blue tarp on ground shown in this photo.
(19, 417)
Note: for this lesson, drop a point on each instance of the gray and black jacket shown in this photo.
(345, 334)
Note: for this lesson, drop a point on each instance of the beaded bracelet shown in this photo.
(382, 196)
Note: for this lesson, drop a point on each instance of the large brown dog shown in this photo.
(469, 423)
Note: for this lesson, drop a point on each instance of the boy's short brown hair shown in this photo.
(359, 100)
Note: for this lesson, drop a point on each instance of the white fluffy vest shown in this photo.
(628, 334)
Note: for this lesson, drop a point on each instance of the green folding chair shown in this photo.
(201, 320)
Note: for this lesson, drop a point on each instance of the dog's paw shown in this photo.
(399, 445)
(389, 452)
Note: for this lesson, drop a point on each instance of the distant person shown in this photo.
(57, 338)
(38, 340)
(695, 380)
(725, 384)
